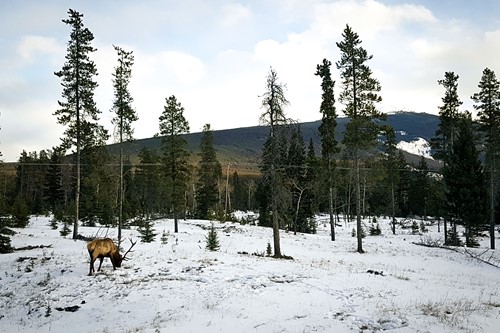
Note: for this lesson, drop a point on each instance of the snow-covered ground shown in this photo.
(182, 287)
(419, 147)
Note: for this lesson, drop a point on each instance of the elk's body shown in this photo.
(105, 248)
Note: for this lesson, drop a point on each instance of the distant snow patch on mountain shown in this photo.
(419, 147)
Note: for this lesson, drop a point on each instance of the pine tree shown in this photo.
(404, 185)
(212, 239)
(148, 182)
(175, 155)
(420, 188)
(147, 232)
(329, 144)
(263, 198)
(487, 103)
(240, 189)
(99, 183)
(296, 158)
(393, 168)
(466, 190)
(209, 174)
(449, 118)
(54, 192)
(311, 182)
(359, 95)
(78, 112)
(164, 237)
(273, 102)
(124, 115)
(5, 246)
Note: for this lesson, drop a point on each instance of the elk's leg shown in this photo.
(100, 264)
(91, 269)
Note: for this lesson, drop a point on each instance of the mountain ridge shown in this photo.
(242, 146)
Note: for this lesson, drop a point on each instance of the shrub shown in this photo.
(212, 240)
(269, 249)
(147, 232)
(375, 231)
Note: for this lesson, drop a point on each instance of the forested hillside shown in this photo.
(243, 146)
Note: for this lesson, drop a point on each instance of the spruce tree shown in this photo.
(5, 246)
(99, 183)
(147, 232)
(148, 181)
(487, 103)
(212, 240)
(124, 116)
(329, 144)
(311, 182)
(54, 192)
(466, 190)
(296, 158)
(273, 103)
(78, 111)
(209, 174)
(240, 189)
(359, 95)
(175, 155)
(419, 191)
(392, 168)
(449, 119)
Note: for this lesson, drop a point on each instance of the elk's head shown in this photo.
(120, 258)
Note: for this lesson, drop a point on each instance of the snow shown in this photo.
(419, 147)
(182, 287)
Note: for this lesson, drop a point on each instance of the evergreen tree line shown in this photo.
(350, 178)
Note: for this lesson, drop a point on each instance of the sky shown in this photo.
(214, 57)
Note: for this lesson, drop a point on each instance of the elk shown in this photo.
(106, 248)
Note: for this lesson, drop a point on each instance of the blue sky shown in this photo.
(214, 57)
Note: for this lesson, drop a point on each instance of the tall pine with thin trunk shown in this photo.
(359, 95)
(78, 111)
(392, 168)
(449, 119)
(175, 155)
(273, 103)
(487, 103)
(124, 115)
(329, 144)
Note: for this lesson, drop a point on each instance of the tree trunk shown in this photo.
(332, 220)
(358, 203)
(276, 223)
(297, 210)
(120, 217)
(445, 227)
(176, 224)
(393, 209)
(492, 204)
(77, 192)
(78, 153)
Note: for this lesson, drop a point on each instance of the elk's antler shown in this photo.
(125, 254)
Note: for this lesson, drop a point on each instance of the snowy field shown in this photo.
(181, 287)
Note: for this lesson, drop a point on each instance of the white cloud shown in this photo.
(32, 46)
(183, 67)
(234, 14)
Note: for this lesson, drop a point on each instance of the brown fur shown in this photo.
(103, 248)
